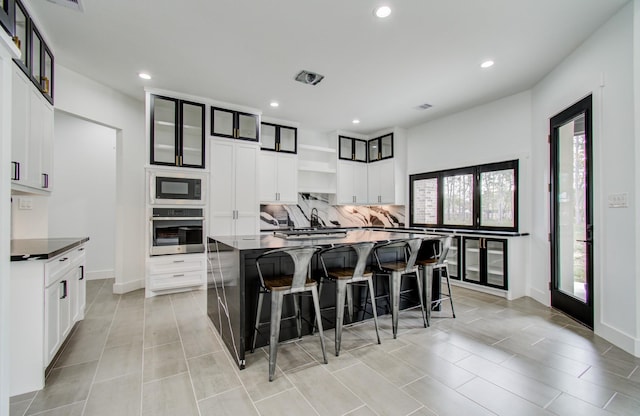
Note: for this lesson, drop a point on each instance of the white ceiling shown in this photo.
(247, 52)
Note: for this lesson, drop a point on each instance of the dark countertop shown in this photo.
(269, 241)
(43, 248)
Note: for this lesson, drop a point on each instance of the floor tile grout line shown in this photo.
(613, 396)
(55, 408)
(95, 374)
(184, 355)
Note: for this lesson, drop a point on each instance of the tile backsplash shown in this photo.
(298, 216)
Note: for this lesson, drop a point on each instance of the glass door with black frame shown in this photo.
(571, 212)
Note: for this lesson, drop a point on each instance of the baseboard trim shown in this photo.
(618, 338)
(120, 288)
(100, 274)
(540, 296)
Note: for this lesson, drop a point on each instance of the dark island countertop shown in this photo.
(42, 248)
(270, 241)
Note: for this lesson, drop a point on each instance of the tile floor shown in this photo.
(161, 356)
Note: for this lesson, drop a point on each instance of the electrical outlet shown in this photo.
(619, 200)
(25, 203)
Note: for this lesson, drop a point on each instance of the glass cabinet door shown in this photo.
(386, 146)
(268, 137)
(192, 134)
(164, 130)
(7, 15)
(374, 153)
(36, 53)
(47, 75)
(472, 259)
(453, 258)
(288, 139)
(345, 146)
(360, 150)
(21, 34)
(222, 122)
(247, 127)
(496, 262)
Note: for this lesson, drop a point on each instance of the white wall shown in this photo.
(85, 98)
(83, 202)
(603, 66)
(517, 127)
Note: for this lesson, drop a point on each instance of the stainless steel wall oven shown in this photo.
(177, 231)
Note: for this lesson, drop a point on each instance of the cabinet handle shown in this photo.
(16, 171)
(45, 180)
(177, 160)
(178, 261)
(178, 275)
(17, 42)
(45, 85)
(81, 273)
(81, 249)
(64, 289)
(64, 259)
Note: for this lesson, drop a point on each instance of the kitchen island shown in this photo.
(233, 282)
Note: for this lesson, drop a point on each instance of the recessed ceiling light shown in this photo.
(383, 11)
(356, 121)
(486, 64)
(144, 75)
(274, 104)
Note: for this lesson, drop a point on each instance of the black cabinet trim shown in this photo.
(236, 123)
(7, 17)
(180, 147)
(352, 156)
(278, 127)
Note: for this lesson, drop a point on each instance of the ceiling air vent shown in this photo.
(72, 4)
(424, 106)
(308, 77)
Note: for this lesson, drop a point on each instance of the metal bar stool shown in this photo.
(428, 266)
(396, 269)
(348, 275)
(278, 287)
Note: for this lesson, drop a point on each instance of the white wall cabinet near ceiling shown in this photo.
(278, 178)
(233, 198)
(381, 181)
(32, 137)
(352, 183)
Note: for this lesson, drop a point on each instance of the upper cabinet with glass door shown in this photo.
(278, 138)
(36, 59)
(177, 132)
(381, 148)
(234, 124)
(350, 148)
(7, 15)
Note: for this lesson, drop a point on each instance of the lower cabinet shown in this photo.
(173, 273)
(485, 261)
(52, 299)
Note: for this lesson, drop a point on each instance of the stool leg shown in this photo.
(428, 293)
(316, 305)
(258, 313)
(446, 269)
(296, 308)
(396, 279)
(419, 282)
(320, 285)
(276, 314)
(373, 307)
(341, 291)
(350, 302)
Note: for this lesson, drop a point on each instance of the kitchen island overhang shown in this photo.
(233, 283)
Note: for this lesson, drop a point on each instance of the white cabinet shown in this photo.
(352, 183)
(317, 163)
(381, 182)
(50, 302)
(32, 136)
(278, 178)
(233, 198)
(175, 272)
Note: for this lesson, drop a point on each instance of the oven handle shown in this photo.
(176, 218)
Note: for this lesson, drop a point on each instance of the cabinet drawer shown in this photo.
(176, 280)
(177, 265)
(55, 268)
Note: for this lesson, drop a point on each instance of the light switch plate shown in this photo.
(25, 203)
(619, 200)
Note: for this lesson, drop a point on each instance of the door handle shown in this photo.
(585, 241)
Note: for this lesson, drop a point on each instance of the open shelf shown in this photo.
(316, 148)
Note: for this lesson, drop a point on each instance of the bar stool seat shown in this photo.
(287, 284)
(396, 269)
(345, 277)
(438, 263)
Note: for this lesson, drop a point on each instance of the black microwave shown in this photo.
(177, 189)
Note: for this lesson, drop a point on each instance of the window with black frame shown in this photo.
(482, 197)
